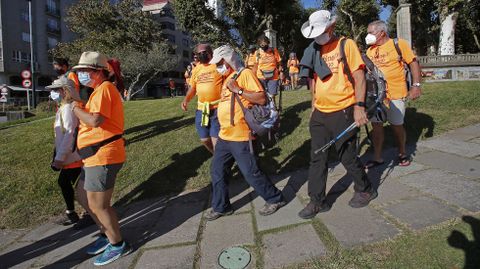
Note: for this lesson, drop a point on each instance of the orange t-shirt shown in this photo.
(240, 131)
(106, 101)
(251, 60)
(385, 57)
(292, 66)
(336, 92)
(207, 82)
(72, 76)
(267, 61)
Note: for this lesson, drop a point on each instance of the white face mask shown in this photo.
(55, 96)
(222, 69)
(323, 39)
(370, 39)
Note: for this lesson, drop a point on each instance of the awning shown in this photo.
(21, 89)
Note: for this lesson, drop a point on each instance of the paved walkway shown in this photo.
(442, 183)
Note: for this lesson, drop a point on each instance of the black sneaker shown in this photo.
(313, 209)
(269, 209)
(362, 199)
(212, 215)
(68, 219)
(84, 222)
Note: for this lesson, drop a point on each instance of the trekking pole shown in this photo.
(329, 144)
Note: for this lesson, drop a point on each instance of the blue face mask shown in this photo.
(84, 78)
(55, 96)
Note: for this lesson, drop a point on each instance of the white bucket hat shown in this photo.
(317, 23)
(228, 54)
(62, 83)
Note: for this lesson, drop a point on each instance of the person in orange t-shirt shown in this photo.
(206, 83)
(102, 149)
(233, 143)
(293, 69)
(336, 104)
(250, 59)
(267, 66)
(384, 55)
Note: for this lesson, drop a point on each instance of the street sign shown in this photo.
(4, 91)
(3, 99)
(26, 74)
(26, 83)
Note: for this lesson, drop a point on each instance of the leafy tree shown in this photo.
(243, 21)
(354, 17)
(123, 31)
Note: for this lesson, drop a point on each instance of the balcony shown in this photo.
(53, 31)
(55, 12)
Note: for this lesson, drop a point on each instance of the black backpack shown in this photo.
(376, 84)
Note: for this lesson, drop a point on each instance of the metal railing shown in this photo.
(450, 60)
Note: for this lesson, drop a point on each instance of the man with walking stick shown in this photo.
(336, 104)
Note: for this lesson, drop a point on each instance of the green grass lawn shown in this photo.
(165, 156)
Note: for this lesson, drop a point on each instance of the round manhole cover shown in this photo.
(234, 258)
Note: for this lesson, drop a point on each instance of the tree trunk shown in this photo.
(355, 35)
(131, 87)
(448, 20)
(146, 82)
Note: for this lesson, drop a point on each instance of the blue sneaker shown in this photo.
(98, 246)
(112, 253)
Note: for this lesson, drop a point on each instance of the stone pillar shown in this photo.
(272, 35)
(404, 26)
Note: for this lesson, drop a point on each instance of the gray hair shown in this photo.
(379, 25)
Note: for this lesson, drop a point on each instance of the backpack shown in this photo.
(261, 119)
(376, 84)
(406, 67)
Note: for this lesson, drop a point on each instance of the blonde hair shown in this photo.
(67, 97)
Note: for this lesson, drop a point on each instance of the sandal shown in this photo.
(404, 160)
(372, 163)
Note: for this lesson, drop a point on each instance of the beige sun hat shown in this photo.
(317, 23)
(92, 60)
(65, 83)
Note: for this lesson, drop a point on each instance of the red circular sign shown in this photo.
(26, 74)
(26, 83)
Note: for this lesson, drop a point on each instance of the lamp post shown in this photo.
(32, 63)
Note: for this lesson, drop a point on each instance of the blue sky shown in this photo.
(384, 14)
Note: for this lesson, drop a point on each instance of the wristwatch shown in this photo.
(416, 84)
(362, 104)
(240, 92)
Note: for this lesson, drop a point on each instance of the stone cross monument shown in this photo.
(270, 33)
(404, 26)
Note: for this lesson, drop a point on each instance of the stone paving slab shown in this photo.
(240, 196)
(9, 236)
(392, 190)
(178, 224)
(475, 140)
(452, 188)
(445, 144)
(296, 245)
(465, 133)
(169, 258)
(122, 263)
(225, 232)
(390, 171)
(286, 215)
(48, 231)
(420, 212)
(355, 226)
(12, 257)
(463, 166)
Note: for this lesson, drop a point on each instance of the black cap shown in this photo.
(60, 61)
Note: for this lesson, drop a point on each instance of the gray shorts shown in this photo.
(100, 178)
(396, 112)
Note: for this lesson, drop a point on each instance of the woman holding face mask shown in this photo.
(102, 149)
(66, 158)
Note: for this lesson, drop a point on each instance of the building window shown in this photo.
(169, 37)
(52, 24)
(52, 5)
(25, 57)
(52, 42)
(17, 56)
(168, 25)
(26, 37)
(185, 42)
(186, 54)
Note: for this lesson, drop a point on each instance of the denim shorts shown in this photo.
(213, 127)
(100, 178)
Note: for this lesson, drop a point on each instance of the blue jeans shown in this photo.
(270, 85)
(213, 126)
(226, 152)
